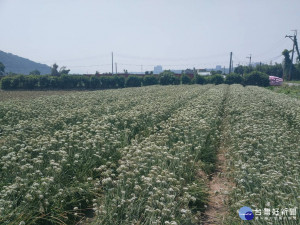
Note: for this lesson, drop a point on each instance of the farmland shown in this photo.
(146, 155)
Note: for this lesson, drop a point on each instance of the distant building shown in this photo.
(218, 67)
(157, 69)
(203, 72)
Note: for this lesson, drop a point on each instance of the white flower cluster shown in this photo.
(139, 149)
(157, 173)
(56, 150)
(263, 130)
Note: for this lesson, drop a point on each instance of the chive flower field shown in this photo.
(145, 155)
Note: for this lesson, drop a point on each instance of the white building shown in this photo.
(157, 69)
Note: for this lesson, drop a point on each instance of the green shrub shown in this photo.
(168, 78)
(119, 81)
(176, 80)
(257, 78)
(85, 81)
(53, 82)
(15, 82)
(198, 79)
(134, 81)
(44, 82)
(108, 82)
(150, 80)
(95, 82)
(67, 82)
(185, 79)
(234, 78)
(6, 83)
(214, 79)
(30, 82)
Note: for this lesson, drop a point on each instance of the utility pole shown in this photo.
(249, 57)
(116, 68)
(260, 66)
(295, 46)
(230, 63)
(112, 63)
(141, 68)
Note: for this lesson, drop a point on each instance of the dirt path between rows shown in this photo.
(219, 187)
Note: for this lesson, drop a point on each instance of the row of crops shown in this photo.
(263, 158)
(133, 156)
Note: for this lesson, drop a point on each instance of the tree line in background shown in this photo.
(59, 79)
(287, 70)
(65, 81)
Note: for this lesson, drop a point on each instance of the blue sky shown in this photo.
(177, 34)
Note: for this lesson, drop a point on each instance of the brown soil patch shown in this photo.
(219, 187)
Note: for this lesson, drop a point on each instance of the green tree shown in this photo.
(134, 81)
(239, 70)
(150, 80)
(217, 79)
(35, 72)
(63, 70)
(215, 72)
(54, 71)
(287, 64)
(199, 79)
(2, 68)
(257, 78)
(167, 77)
(6, 83)
(234, 78)
(185, 79)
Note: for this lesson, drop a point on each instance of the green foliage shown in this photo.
(257, 78)
(215, 72)
(54, 71)
(63, 71)
(234, 79)
(6, 83)
(271, 70)
(201, 197)
(290, 71)
(215, 79)
(150, 80)
(105, 82)
(149, 72)
(35, 72)
(95, 82)
(199, 79)
(176, 80)
(134, 81)
(16, 82)
(85, 82)
(293, 91)
(31, 82)
(185, 79)
(67, 82)
(120, 81)
(168, 78)
(243, 69)
(61, 82)
(2, 68)
(44, 82)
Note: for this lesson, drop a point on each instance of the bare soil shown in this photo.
(219, 187)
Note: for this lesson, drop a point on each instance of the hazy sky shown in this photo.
(81, 34)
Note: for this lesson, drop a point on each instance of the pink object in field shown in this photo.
(275, 81)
